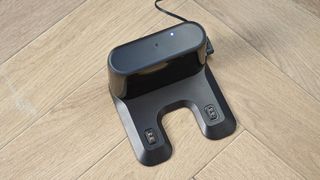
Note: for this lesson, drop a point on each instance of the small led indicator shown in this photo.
(172, 34)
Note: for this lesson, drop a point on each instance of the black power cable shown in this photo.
(209, 45)
(169, 13)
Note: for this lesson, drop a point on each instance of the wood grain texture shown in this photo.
(81, 135)
(85, 127)
(270, 104)
(67, 55)
(192, 151)
(69, 139)
(22, 21)
(311, 5)
(286, 35)
(273, 107)
(247, 158)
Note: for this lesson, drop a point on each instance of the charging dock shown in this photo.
(160, 73)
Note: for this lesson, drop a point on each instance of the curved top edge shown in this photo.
(158, 47)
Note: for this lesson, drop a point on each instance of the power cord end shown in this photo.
(210, 49)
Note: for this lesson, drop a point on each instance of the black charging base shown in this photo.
(141, 116)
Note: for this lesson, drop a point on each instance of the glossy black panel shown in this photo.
(162, 74)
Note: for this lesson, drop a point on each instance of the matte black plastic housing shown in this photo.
(156, 60)
(159, 73)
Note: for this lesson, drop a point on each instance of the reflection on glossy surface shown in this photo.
(162, 74)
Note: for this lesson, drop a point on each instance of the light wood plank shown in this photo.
(311, 5)
(269, 103)
(84, 127)
(66, 56)
(247, 158)
(288, 36)
(22, 21)
(277, 111)
(191, 152)
(68, 140)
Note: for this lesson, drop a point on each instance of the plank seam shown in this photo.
(69, 94)
(275, 154)
(166, 16)
(298, 85)
(66, 96)
(102, 157)
(41, 33)
(261, 143)
(305, 9)
(223, 149)
(49, 110)
(271, 63)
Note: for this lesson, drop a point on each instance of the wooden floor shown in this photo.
(57, 119)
